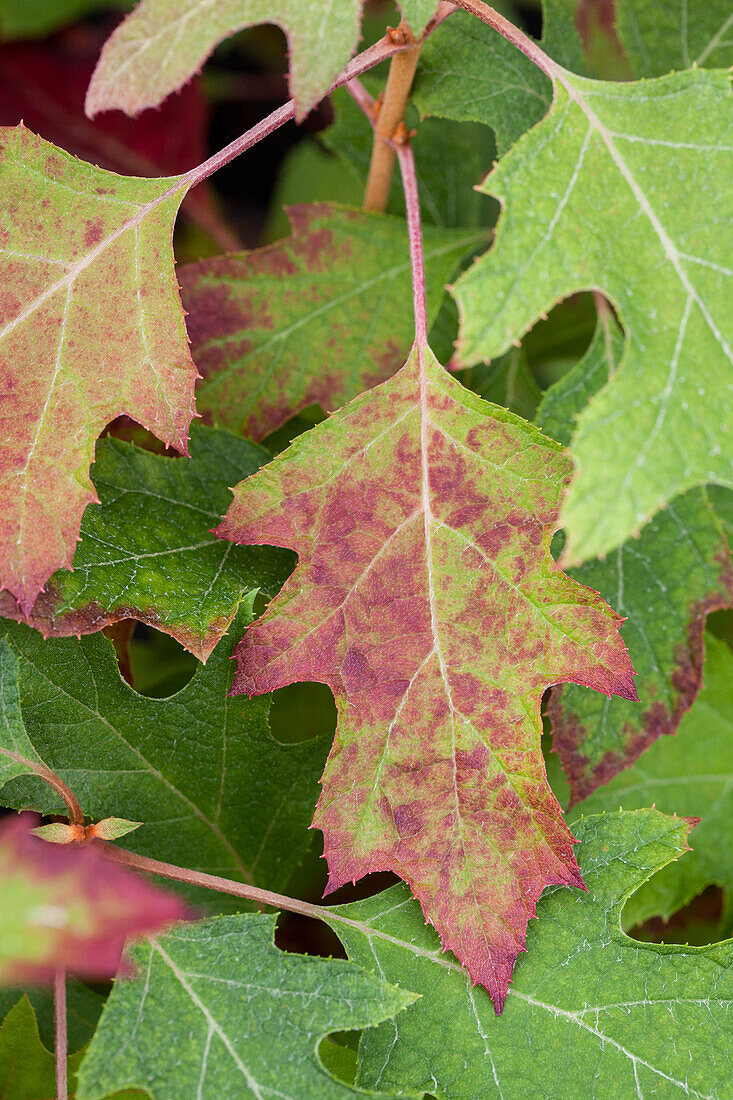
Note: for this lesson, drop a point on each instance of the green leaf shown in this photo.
(450, 159)
(623, 187)
(215, 790)
(17, 752)
(691, 774)
(677, 34)
(27, 1069)
(90, 301)
(70, 907)
(426, 598)
(83, 1009)
(665, 583)
(147, 551)
(217, 1010)
(469, 73)
(590, 1013)
(507, 382)
(318, 317)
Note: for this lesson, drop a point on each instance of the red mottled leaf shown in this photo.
(89, 298)
(69, 907)
(427, 599)
(44, 83)
(318, 317)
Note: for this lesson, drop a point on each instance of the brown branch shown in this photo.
(391, 112)
(76, 814)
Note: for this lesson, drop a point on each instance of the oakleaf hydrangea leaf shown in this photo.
(91, 327)
(318, 317)
(665, 583)
(147, 551)
(17, 753)
(469, 73)
(69, 907)
(42, 17)
(427, 600)
(160, 46)
(677, 34)
(215, 790)
(692, 774)
(216, 1010)
(590, 1013)
(624, 187)
(27, 1069)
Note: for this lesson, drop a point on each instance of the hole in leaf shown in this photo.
(302, 711)
(160, 666)
(555, 345)
(720, 623)
(700, 922)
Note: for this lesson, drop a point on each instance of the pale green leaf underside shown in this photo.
(216, 1010)
(164, 42)
(624, 187)
(590, 1013)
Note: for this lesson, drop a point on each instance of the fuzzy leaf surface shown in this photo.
(70, 907)
(318, 317)
(90, 300)
(217, 1010)
(678, 34)
(163, 43)
(185, 766)
(427, 600)
(624, 187)
(691, 774)
(147, 551)
(665, 583)
(590, 1012)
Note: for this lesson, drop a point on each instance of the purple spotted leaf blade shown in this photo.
(427, 599)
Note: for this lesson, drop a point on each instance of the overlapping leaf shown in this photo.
(215, 790)
(217, 1010)
(163, 43)
(590, 1013)
(678, 34)
(664, 583)
(469, 73)
(692, 774)
(427, 600)
(90, 327)
(318, 317)
(147, 551)
(70, 908)
(624, 187)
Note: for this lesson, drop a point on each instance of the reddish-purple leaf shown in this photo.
(427, 599)
(91, 327)
(316, 318)
(70, 907)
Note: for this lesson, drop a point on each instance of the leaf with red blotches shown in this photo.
(44, 83)
(163, 43)
(318, 317)
(427, 599)
(89, 298)
(70, 907)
